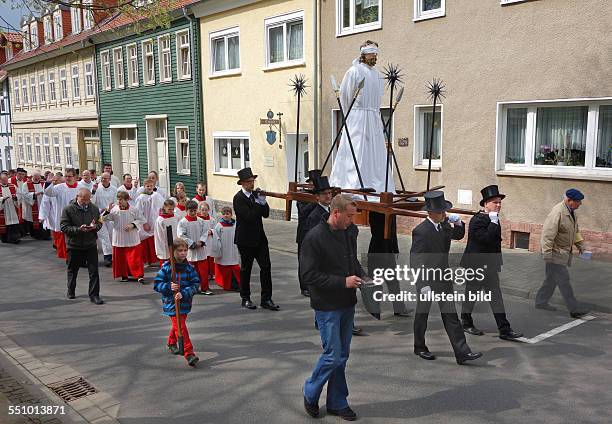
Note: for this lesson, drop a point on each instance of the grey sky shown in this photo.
(10, 11)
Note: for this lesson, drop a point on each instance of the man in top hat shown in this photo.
(431, 241)
(364, 126)
(250, 207)
(304, 209)
(559, 235)
(483, 251)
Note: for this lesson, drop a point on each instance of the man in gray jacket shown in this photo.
(80, 223)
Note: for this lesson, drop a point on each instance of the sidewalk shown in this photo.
(522, 274)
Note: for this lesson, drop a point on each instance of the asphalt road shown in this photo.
(253, 363)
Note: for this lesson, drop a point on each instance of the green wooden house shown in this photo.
(150, 102)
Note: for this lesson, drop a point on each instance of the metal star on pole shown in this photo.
(298, 85)
(436, 89)
(393, 75)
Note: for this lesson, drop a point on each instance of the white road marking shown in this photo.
(556, 331)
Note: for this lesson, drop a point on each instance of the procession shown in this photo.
(385, 246)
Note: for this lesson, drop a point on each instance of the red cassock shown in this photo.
(60, 244)
(148, 250)
(224, 274)
(203, 269)
(127, 261)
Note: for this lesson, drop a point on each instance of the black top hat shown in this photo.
(313, 174)
(490, 192)
(245, 174)
(320, 184)
(435, 202)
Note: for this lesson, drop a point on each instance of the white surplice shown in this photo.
(9, 206)
(366, 131)
(193, 232)
(27, 199)
(119, 219)
(161, 236)
(63, 195)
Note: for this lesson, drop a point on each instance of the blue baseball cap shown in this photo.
(574, 194)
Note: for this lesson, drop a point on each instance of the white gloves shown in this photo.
(453, 218)
(494, 217)
(261, 199)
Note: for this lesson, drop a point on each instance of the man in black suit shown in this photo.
(250, 207)
(304, 209)
(431, 241)
(483, 250)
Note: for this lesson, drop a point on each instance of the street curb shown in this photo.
(99, 408)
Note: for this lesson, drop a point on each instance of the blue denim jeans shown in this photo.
(336, 329)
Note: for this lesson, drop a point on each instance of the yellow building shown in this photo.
(250, 52)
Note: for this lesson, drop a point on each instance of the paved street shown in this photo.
(253, 363)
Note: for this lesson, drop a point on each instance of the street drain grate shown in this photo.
(72, 389)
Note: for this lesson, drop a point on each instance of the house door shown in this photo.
(89, 150)
(157, 141)
(129, 151)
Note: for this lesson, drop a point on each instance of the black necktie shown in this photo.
(252, 198)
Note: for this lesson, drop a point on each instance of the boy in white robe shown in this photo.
(204, 213)
(131, 187)
(64, 193)
(106, 194)
(227, 259)
(201, 196)
(180, 209)
(147, 203)
(165, 219)
(194, 231)
(127, 255)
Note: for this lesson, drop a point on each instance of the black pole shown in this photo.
(388, 136)
(431, 139)
(387, 130)
(297, 137)
(339, 133)
(348, 137)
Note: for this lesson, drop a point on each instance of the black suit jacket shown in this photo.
(316, 215)
(304, 209)
(430, 247)
(249, 224)
(484, 243)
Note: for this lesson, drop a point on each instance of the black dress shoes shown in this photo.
(578, 314)
(546, 307)
(473, 330)
(425, 354)
(357, 331)
(510, 335)
(70, 295)
(346, 413)
(268, 304)
(311, 408)
(469, 357)
(96, 300)
(246, 303)
(192, 360)
(305, 293)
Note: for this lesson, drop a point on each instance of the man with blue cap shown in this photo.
(559, 235)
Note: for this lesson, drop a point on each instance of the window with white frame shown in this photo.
(46, 149)
(57, 150)
(165, 58)
(33, 99)
(37, 149)
(63, 85)
(428, 9)
(29, 157)
(52, 96)
(57, 25)
(76, 89)
(42, 92)
(560, 137)
(16, 93)
(25, 32)
(48, 29)
(425, 121)
(88, 18)
(89, 81)
(8, 51)
(20, 150)
(118, 64)
(285, 40)
(148, 62)
(132, 62)
(106, 70)
(225, 49)
(68, 151)
(183, 55)
(358, 16)
(75, 19)
(24, 91)
(34, 35)
(182, 150)
(231, 151)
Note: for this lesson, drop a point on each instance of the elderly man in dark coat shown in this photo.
(483, 250)
(431, 241)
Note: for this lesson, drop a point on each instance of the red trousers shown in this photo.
(173, 336)
(224, 273)
(127, 261)
(203, 269)
(60, 244)
(148, 250)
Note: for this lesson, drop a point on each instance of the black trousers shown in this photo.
(489, 283)
(302, 285)
(453, 327)
(12, 234)
(262, 255)
(76, 258)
